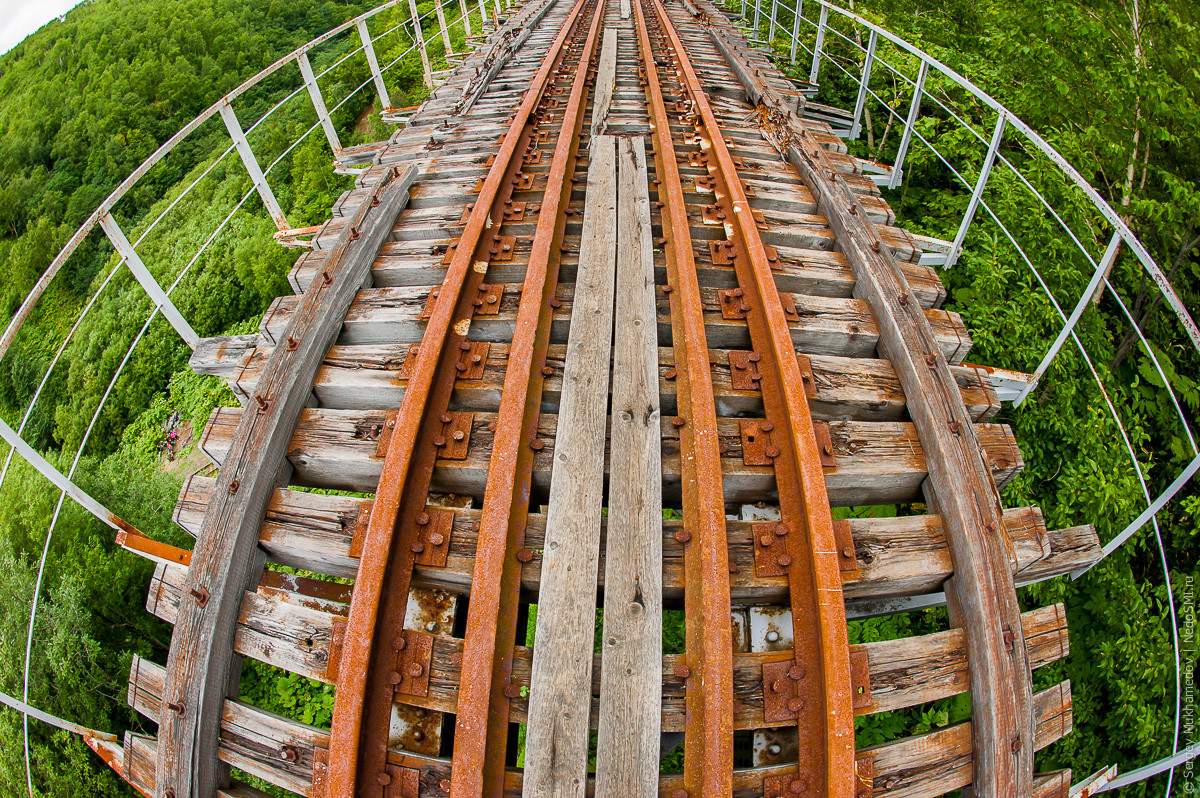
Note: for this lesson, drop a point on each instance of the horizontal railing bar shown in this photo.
(52, 720)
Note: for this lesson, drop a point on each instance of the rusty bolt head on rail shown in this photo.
(798, 786)
(178, 707)
(524, 555)
(383, 779)
(289, 753)
(537, 444)
(200, 594)
(781, 528)
(683, 536)
(399, 643)
(292, 343)
(683, 671)
(671, 374)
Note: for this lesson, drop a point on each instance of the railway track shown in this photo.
(613, 324)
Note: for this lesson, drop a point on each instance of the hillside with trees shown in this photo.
(1113, 84)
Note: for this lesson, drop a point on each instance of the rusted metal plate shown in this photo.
(743, 370)
(783, 696)
(431, 303)
(434, 527)
(359, 533)
(472, 359)
(384, 436)
(721, 252)
(860, 677)
(825, 445)
(757, 446)
(336, 638)
(404, 373)
(488, 301)
(733, 303)
(503, 247)
(454, 440)
(411, 661)
(845, 543)
(320, 772)
(770, 553)
(806, 375)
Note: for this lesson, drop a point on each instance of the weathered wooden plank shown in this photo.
(225, 559)
(371, 376)
(606, 74)
(876, 463)
(628, 742)
(556, 748)
(822, 325)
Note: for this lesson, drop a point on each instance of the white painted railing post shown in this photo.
(1102, 269)
(816, 61)
(864, 81)
(441, 18)
(420, 42)
(985, 170)
(251, 163)
(373, 62)
(483, 18)
(913, 111)
(466, 17)
(774, 10)
(147, 281)
(499, 11)
(799, 15)
(757, 16)
(314, 94)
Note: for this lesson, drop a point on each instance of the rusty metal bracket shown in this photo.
(385, 436)
(448, 256)
(455, 437)
(864, 769)
(772, 256)
(806, 375)
(721, 252)
(698, 159)
(733, 303)
(434, 527)
(524, 182)
(712, 214)
(472, 359)
(847, 558)
(782, 700)
(399, 782)
(860, 677)
(336, 639)
(789, 306)
(757, 449)
(532, 157)
(503, 247)
(414, 655)
(825, 444)
(743, 370)
(704, 183)
(404, 373)
(320, 772)
(769, 547)
(488, 301)
(430, 302)
(359, 535)
(514, 212)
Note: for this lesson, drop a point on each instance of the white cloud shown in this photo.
(19, 18)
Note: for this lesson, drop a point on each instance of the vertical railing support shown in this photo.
(466, 17)
(863, 83)
(373, 62)
(147, 281)
(441, 18)
(499, 11)
(816, 61)
(483, 17)
(314, 94)
(774, 11)
(799, 15)
(757, 16)
(985, 170)
(251, 164)
(420, 42)
(913, 111)
(1102, 269)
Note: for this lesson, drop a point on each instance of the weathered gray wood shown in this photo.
(226, 556)
(556, 748)
(606, 74)
(824, 325)
(876, 463)
(627, 751)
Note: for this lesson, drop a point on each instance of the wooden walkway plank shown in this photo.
(556, 743)
(605, 78)
(627, 752)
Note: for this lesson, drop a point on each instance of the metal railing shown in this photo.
(1010, 145)
(162, 303)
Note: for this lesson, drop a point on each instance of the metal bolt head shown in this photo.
(766, 540)
(797, 672)
(437, 539)
(683, 536)
(784, 560)
(796, 704)
(772, 636)
(524, 555)
(422, 519)
(399, 643)
(781, 529)
(848, 552)
(414, 669)
(395, 678)
(683, 671)
(384, 779)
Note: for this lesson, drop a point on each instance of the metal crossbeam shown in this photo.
(134, 261)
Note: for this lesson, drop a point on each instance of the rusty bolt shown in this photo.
(796, 704)
(798, 786)
(771, 451)
(512, 690)
(683, 536)
(671, 374)
(417, 547)
(422, 519)
(683, 671)
(853, 210)
(537, 444)
(779, 686)
(292, 342)
(384, 779)
(289, 753)
(233, 487)
(955, 427)
(200, 594)
(902, 299)
(178, 707)
(168, 793)
(439, 441)
(781, 528)
(399, 643)
(784, 560)
(546, 370)
(524, 555)
(445, 418)
(1016, 744)
(848, 552)
(797, 672)
(766, 426)
(678, 422)
(459, 435)
(666, 289)
(263, 402)
(754, 357)
(931, 360)
(437, 539)
(414, 669)
(766, 540)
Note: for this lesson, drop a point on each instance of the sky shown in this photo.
(19, 18)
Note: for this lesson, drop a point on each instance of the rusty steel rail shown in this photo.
(481, 726)
(708, 742)
(388, 558)
(818, 680)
